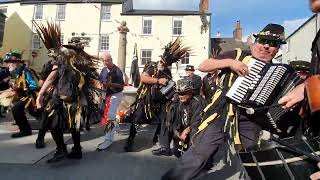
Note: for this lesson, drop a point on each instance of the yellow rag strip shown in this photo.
(78, 115)
(206, 122)
(69, 115)
(215, 97)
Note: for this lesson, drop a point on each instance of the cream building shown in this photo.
(299, 43)
(149, 30)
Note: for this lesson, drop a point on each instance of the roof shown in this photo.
(61, 1)
(301, 26)
(161, 12)
(300, 65)
(221, 45)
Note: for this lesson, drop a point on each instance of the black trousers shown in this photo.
(205, 145)
(139, 118)
(57, 135)
(19, 115)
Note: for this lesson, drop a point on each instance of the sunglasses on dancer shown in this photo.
(271, 43)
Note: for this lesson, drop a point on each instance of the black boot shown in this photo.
(40, 143)
(40, 140)
(21, 134)
(1, 115)
(129, 145)
(155, 139)
(75, 153)
(59, 155)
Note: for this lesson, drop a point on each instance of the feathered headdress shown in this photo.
(50, 36)
(174, 52)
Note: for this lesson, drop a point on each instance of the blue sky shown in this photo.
(253, 14)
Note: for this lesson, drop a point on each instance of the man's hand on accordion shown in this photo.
(293, 97)
(162, 81)
(239, 67)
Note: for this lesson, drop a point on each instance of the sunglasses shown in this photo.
(271, 43)
(183, 93)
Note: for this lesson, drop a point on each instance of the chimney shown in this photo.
(218, 34)
(237, 33)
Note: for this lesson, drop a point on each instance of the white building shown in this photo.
(150, 30)
(298, 45)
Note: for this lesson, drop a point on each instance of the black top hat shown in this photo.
(13, 57)
(300, 65)
(184, 85)
(272, 32)
(189, 68)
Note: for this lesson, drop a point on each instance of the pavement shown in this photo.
(20, 160)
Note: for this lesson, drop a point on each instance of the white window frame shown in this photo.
(105, 12)
(38, 11)
(175, 27)
(36, 42)
(186, 59)
(4, 10)
(104, 46)
(146, 19)
(61, 12)
(62, 39)
(145, 58)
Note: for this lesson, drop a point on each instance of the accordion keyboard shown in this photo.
(268, 84)
(241, 86)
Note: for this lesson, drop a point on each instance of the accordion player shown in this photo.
(262, 88)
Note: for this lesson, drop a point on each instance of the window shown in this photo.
(35, 41)
(185, 60)
(105, 12)
(177, 26)
(62, 39)
(145, 56)
(3, 10)
(38, 12)
(61, 11)
(147, 25)
(104, 43)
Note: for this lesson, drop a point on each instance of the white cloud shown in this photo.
(291, 25)
(166, 4)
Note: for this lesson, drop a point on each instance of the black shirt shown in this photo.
(115, 75)
(196, 83)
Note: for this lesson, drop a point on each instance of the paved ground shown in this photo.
(19, 160)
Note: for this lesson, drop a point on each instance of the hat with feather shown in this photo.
(174, 52)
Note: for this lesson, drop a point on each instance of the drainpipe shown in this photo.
(99, 32)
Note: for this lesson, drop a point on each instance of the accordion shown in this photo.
(263, 87)
(168, 90)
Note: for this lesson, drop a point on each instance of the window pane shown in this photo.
(62, 38)
(177, 27)
(61, 11)
(145, 56)
(104, 42)
(185, 60)
(105, 12)
(147, 26)
(38, 12)
(35, 41)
